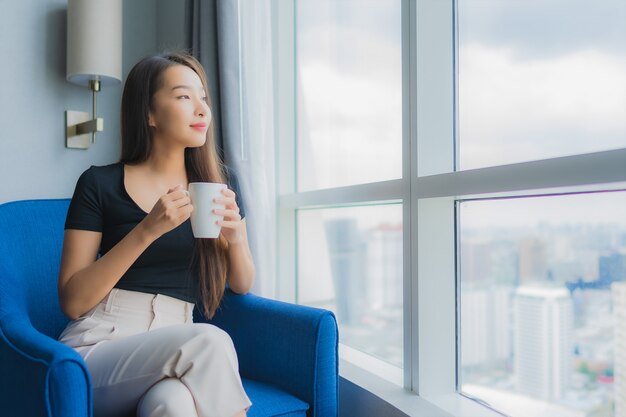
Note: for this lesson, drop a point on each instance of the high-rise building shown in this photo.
(542, 340)
(532, 260)
(485, 325)
(348, 254)
(476, 262)
(612, 267)
(385, 268)
(618, 290)
(474, 327)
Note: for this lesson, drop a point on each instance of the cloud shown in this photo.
(574, 209)
(513, 109)
(539, 28)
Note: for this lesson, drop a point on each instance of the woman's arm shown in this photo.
(241, 266)
(241, 270)
(85, 281)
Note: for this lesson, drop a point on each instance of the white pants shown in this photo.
(144, 352)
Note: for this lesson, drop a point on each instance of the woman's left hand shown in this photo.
(232, 225)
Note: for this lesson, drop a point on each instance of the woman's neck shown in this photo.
(167, 167)
(167, 164)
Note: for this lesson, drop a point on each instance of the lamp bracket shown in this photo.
(79, 127)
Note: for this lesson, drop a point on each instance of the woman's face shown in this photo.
(180, 112)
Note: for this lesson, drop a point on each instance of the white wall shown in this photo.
(34, 162)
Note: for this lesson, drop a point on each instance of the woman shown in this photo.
(131, 308)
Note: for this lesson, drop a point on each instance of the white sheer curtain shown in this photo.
(247, 106)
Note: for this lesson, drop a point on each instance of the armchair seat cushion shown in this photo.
(268, 400)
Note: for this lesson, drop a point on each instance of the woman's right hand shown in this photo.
(169, 212)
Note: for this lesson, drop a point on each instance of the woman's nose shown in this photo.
(202, 108)
(204, 111)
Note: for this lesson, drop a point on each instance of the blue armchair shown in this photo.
(287, 353)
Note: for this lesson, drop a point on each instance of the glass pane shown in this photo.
(540, 79)
(349, 92)
(350, 262)
(542, 290)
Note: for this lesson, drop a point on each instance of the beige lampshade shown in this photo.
(94, 41)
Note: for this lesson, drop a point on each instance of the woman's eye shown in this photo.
(179, 97)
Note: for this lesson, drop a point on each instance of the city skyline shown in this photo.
(556, 255)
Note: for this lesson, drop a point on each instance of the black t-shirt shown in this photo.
(101, 204)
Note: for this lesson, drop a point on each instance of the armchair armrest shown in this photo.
(40, 376)
(291, 346)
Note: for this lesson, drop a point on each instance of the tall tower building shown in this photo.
(476, 261)
(612, 267)
(485, 325)
(619, 310)
(384, 267)
(542, 338)
(532, 260)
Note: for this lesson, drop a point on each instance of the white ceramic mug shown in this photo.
(203, 220)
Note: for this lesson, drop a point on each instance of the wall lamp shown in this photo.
(94, 60)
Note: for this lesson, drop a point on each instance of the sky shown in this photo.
(607, 208)
(543, 29)
(537, 79)
(540, 79)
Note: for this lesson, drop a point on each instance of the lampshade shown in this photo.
(94, 41)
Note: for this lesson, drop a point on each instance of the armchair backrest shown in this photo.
(31, 240)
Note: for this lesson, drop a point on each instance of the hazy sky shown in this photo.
(540, 79)
(544, 28)
(575, 209)
(537, 79)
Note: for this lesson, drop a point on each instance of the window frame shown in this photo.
(429, 189)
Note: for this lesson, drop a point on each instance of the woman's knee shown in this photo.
(168, 397)
(212, 335)
(202, 343)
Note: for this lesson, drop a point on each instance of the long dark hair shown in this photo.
(202, 164)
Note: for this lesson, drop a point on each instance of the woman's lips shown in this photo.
(199, 126)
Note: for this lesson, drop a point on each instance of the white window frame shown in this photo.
(429, 189)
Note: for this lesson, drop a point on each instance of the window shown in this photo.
(350, 262)
(540, 79)
(348, 124)
(349, 92)
(386, 109)
(537, 322)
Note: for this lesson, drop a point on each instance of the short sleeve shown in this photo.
(233, 184)
(85, 211)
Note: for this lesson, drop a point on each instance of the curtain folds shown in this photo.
(201, 41)
(233, 41)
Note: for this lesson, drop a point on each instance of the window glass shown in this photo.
(540, 79)
(543, 302)
(350, 262)
(348, 92)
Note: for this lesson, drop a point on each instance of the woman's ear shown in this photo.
(151, 121)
